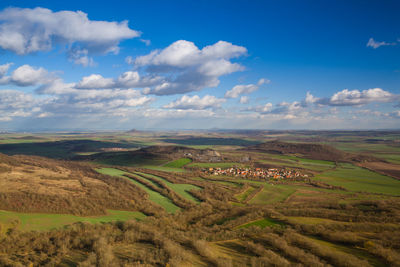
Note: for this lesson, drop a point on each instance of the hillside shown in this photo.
(35, 184)
(311, 151)
(202, 155)
(152, 155)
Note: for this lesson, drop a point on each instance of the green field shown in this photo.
(46, 221)
(266, 222)
(216, 165)
(154, 196)
(361, 180)
(179, 163)
(180, 189)
(273, 193)
(243, 196)
(297, 162)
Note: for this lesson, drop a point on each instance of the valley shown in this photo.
(200, 199)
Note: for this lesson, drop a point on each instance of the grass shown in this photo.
(273, 193)
(180, 189)
(45, 221)
(162, 168)
(265, 222)
(216, 165)
(356, 251)
(359, 179)
(154, 196)
(179, 163)
(297, 162)
(243, 196)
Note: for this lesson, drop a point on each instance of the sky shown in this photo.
(174, 65)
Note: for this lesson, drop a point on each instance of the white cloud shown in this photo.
(129, 60)
(80, 57)
(245, 89)
(128, 79)
(4, 69)
(186, 68)
(24, 30)
(146, 42)
(14, 103)
(244, 100)
(95, 81)
(195, 102)
(260, 109)
(310, 99)
(26, 75)
(374, 44)
(3, 72)
(355, 97)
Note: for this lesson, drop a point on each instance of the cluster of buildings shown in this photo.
(256, 173)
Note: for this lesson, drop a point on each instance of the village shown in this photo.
(256, 173)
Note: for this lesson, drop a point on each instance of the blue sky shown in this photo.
(199, 64)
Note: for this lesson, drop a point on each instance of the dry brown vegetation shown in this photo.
(35, 184)
(202, 237)
(320, 225)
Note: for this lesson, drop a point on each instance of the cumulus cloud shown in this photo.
(14, 103)
(3, 72)
(186, 68)
(244, 100)
(245, 89)
(374, 44)
(355, 97)
(27, 75)
(128, 79)
(25, 30)
(80, 57)
(195, 102)
(95, 81)
(264, 109)
(310, 99)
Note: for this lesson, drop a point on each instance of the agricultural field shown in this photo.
(45, 221)
(146, 198)
(154, 196)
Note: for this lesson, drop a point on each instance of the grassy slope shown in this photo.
(216, 165)
(273, 193)
(242, 196)
(358, 179)
(181, 189)
(156, 197)
(179, 163)
(45, 221)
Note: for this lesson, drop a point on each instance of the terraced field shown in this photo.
(265, 222)
(154, 196)
(181, 189)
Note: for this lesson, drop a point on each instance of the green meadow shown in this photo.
(179, 163)
(243, 196)
(181, 189)
(47, 221)
(154, 196)
(273, 193)
(358, 179)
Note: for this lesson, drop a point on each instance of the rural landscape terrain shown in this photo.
(200, 198)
